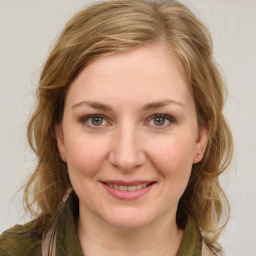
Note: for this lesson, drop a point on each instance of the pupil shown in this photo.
(159, 121)
(97, 121)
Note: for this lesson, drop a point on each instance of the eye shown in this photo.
(94, 120)
(161, 120)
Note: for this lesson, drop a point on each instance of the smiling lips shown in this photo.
(128, 190)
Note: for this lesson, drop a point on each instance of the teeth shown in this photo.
(123, 188)
(140, 186)
(129, 188)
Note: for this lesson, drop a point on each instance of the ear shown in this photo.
(201, 143)
(60, 141)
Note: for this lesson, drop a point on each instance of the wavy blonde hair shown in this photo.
(119, 25)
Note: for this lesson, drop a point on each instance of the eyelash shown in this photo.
(166, 117)
(88, 117)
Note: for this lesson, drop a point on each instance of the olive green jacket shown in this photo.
(21, 240)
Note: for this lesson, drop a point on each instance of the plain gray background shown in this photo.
(28, 29)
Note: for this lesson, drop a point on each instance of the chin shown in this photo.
(128, 219)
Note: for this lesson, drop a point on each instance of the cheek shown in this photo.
(173, 161)
(85, 155)
(173, 156)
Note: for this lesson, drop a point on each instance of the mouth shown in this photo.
(128, 187)
(128, 190)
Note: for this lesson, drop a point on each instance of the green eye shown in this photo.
(159, 121)
(96, 121)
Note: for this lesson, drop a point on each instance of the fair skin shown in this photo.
(130, 136)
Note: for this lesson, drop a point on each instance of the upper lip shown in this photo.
(127, 183)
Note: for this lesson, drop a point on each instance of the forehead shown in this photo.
(145, 73)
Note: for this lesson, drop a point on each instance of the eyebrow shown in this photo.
(148, 106)
(93, 104)
(161, 103)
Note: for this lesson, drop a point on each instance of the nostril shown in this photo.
(126, 160)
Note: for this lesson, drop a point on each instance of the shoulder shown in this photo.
(20, 240)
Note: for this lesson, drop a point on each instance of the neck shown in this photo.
(97, 238)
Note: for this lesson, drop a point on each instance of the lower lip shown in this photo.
(126, 194)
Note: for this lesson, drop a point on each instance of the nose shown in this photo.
(126, 152)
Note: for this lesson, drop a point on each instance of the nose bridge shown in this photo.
(126, 152)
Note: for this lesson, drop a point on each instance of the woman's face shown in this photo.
(130, 136)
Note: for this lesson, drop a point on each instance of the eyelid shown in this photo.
(168, 117)
(85, 118)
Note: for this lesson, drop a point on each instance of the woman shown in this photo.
(130, 138)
